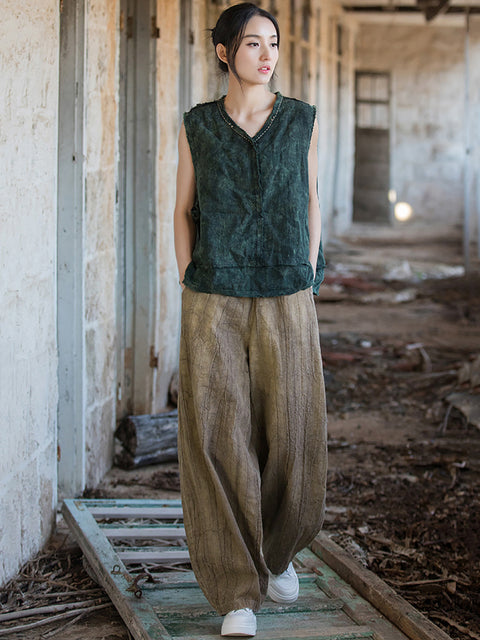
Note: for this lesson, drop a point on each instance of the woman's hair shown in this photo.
(230, 29)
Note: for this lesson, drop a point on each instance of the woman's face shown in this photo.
(257, 54)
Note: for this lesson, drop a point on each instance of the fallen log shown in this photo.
(147, 439)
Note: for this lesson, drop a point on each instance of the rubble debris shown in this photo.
(392, 297)
(403, 271)
(470, 372)
(413, 507)
(468, 404)
(163, 479)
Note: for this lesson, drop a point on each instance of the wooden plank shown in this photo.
(276, 628)
(186, 613)
(358, 609)
(140, 502)
(172, 579)
(178, 604)
(154, 555)
(131, 502)
(137, 614)
(142, 532)
(402, 614)
(136, 512)
(330, 633)
(279, 627)
(130, 509)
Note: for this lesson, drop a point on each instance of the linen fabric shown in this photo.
(251, 204)
(252, 439)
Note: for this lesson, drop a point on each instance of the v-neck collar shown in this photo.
(263, 129)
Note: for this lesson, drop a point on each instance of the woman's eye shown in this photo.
(253, 44)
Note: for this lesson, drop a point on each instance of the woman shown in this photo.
(252, 421)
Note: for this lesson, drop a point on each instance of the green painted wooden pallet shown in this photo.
(136, 550)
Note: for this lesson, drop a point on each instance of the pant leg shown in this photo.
(219, 472)
(288, 400)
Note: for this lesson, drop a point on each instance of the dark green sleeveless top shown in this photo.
(251, 204)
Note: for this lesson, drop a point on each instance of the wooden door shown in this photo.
(372, 148)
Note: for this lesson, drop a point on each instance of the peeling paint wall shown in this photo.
(101, 136)
(427, 106)
(28, 360)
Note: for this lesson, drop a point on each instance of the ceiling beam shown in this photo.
(432, 9)
(402, 9)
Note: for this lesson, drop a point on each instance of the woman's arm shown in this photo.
(314, 218)
(183, 224)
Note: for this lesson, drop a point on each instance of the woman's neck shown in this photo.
(247, 99)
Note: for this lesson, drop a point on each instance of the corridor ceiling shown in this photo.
(429, 8)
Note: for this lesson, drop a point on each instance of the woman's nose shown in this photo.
(265, 52)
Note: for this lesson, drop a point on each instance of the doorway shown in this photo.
(136, 202)
(372, 148)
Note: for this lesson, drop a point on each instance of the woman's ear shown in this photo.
(221, 52)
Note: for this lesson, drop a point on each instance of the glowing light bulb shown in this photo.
(403, 211)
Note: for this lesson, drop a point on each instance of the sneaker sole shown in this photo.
(237, 628)
(243, 631)
(277, 597)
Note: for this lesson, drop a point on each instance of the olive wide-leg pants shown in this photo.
(252, 439)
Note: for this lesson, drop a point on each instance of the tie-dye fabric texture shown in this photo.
(251, 205)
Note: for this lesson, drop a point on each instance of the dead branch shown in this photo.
(54, 608)
(68, 624)
(51, 619)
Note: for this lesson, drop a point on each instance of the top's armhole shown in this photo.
(312, 124)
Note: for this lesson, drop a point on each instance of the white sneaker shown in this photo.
(284, 587)
(239, 622)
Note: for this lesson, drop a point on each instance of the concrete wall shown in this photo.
(28, 361)
(426, 63)
(101, 142)
(336, 120)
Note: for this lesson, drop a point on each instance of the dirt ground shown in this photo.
(398, 338)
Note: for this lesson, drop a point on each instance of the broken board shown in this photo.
(136, 550)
